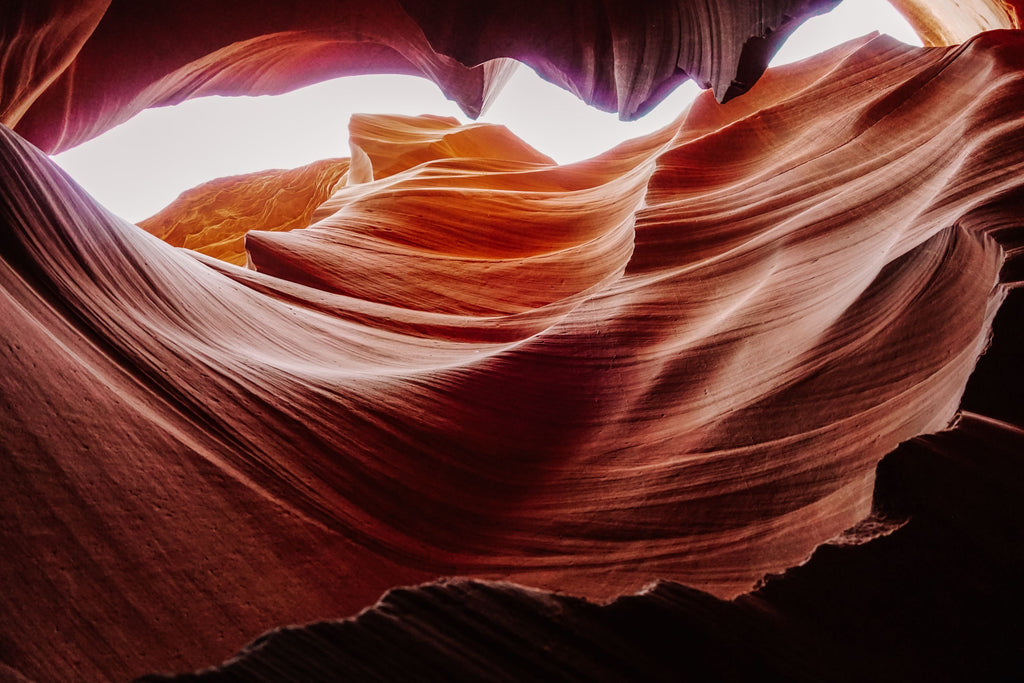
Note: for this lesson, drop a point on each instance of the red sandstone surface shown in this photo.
(680, 362)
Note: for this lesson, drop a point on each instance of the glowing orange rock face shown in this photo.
(213, 218)
(680, 360)
(949, 22)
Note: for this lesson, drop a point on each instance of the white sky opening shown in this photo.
(142, 165)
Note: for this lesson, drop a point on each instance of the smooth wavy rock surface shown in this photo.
(73, 69)
(927, 589)
(679, 361)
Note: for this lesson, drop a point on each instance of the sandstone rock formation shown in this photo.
(214, 217)
(76, 69)
(949, 22)
(678, 362)
(884, 610)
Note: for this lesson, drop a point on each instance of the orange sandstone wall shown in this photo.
(948, 22)
(680, 361)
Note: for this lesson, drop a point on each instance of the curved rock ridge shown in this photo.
(681, 360)
(927, 590)
(71, 70)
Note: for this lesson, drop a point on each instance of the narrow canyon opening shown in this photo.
(139, 167)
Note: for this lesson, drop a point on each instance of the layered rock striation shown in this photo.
(924, 590)
(680, 361)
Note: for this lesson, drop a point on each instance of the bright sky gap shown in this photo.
(140, 166)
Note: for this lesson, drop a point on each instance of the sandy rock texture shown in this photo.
(588, 412)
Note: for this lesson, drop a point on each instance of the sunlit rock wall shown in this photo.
(949, 22)
(680, 361)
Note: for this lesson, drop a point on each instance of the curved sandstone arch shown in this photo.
(73, 70)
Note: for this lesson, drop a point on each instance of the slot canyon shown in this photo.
(741, 399)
